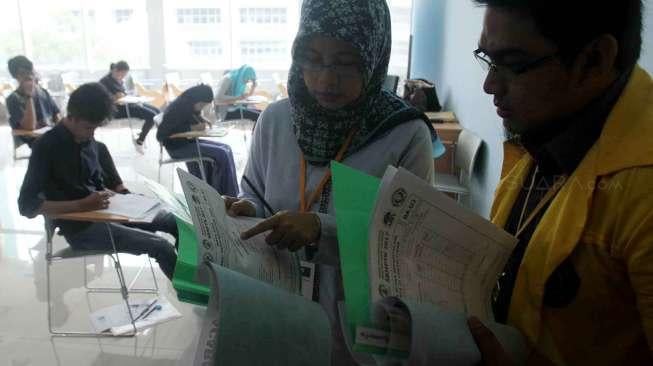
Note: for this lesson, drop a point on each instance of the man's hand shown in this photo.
(95, 201)
(237, 207)
(28, 87)
(120, 188)
(491, 350)
(118, 96)
(290, 230)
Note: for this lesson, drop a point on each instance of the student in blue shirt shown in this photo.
(30, 106)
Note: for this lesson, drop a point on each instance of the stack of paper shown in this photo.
(130, 205)
(147, 313)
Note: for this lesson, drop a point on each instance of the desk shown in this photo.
(95, 216)
(248, 101)
(442, 117)
(448, 133)
(195, 135)
(31, 133)
(253, 100)
(132, 99)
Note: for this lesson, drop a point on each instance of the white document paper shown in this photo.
(177, 205)
(218, 237)
(426, 248)
(432, 336)
(130, 205)
(116, 320)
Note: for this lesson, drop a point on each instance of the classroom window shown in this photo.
(263, 15)
(123, 15)
(198, 16)
(205, 48)
(261, 49)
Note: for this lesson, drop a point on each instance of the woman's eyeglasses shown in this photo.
(343, 69)
(510, 70)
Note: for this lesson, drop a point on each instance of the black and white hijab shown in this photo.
(320, 131)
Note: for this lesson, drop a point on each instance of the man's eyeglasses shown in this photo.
(341, 69)
(510, 70)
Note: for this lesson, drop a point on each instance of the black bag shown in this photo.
(421, 94)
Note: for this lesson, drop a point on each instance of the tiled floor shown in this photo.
(24, 336)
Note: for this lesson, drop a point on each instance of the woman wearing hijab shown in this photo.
(233, 87)
(336, 110)
(183, 115)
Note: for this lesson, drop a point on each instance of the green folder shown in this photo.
(354, 195)
(188, 290)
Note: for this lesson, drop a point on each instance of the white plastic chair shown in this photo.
(465, 156)
(124, 289)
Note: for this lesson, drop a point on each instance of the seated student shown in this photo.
(233, 87)
(183, 115)
(70, 172)
(579, 284)
(30, 106)
(114, 82)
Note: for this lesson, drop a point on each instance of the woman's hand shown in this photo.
(290, 230)
(237, 207)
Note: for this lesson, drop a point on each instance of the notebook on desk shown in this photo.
(130, 205)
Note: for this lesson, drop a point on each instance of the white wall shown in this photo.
(647, 55)
(445, 32)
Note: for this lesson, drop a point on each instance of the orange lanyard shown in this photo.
(304, 206)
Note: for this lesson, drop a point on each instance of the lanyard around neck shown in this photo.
(304, 205)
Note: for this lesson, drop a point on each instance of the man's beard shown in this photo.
(511, 131)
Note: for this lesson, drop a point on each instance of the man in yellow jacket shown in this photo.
(565, 80)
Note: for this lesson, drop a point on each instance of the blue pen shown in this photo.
(158, 307)
(146, 310)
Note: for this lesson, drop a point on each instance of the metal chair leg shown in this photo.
(201, 161)
(121, 278)
(57, 333)
(124, 290)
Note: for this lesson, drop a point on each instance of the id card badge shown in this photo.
(309, 280)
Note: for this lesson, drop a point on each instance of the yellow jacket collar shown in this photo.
(627, 138)
(626, 141)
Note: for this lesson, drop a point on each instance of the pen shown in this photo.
(158, 307)
(258, 195)
(147, 308)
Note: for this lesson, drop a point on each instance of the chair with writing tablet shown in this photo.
(466, 154)
(162, 161)
(124, 289)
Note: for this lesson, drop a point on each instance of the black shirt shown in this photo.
(556, 153)
(45, 107)
(61, 169)
(178, 118)
(113, 86)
